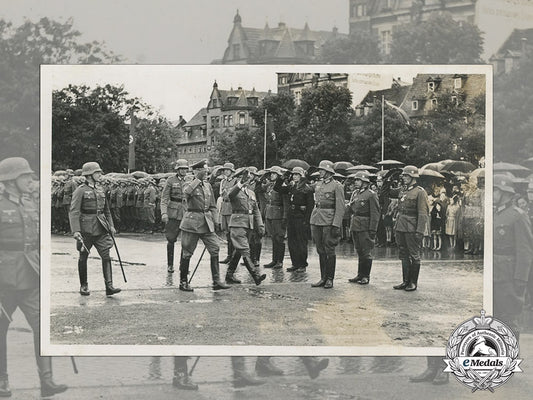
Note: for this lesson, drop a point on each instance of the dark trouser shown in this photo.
(297, 241)
(325, 247)
(363, 244)
(28, 302)
(255, 246)
(172, 231)
(102, 243)
(409, 246)
(276, 230)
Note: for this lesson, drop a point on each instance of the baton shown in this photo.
(200, 259)
(194, 365)
(3, 311)
(108, 229)
(74, 366)
(83, 245)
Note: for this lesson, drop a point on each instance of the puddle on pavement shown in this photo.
(263, 294)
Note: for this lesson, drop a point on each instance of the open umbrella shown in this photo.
(294, 162)
(140, 174)
(458, 166)
(361, 168)
(430, 173)
(435, 166)
(391, 163)
(342, 165)
(515, 169)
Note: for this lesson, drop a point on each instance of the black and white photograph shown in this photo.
(248, 208)
(34, 32)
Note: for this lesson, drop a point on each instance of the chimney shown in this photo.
(281, 25)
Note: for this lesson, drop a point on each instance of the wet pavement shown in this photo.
(347, 315)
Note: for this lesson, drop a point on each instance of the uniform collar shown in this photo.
(411, 187)
(13, 196)
(327, 180)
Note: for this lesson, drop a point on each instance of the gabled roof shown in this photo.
(395, 95)
(198, 118)
(513, 45)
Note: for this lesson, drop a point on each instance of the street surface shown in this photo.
(283, 311)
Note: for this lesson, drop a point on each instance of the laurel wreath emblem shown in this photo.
(470, 377)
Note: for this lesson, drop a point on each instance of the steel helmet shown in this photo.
(410, 170)
(181, 163)
(503, 182)
(362, 175)
(229, 166)
(276, 170)
(90, 168)
(13, 167)
(298, 170)
(326, 165)
(252, 170)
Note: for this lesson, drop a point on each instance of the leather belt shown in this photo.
(324, 207)
(176, 199)
(91, 212)
(246, 212)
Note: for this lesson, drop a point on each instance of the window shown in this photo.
(361, 10)
(431, 86)
(454, 100)
(283, 80)
(242, 118)
(215, 103)
(414, 105)
(236, 51)
(457, 84)
(230, 120)
(252, 122)
(225, 120)
(298, 97)
(386, 39)
(434, 103)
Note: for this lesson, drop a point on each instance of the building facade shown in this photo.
(276, 45)
(517, 46)
(295, 83)
(226, 111)
(380, 17)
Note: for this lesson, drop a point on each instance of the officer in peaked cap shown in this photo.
(364, 207)
(92, 225)
(326, 222)
(411, 223)
(173, 207)
(227, 182)
(276, 216)
(513, 252)
(300, 204)
(199, 223)
(19, 268)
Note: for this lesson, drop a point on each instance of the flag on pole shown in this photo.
(131, 145)
(401, 112)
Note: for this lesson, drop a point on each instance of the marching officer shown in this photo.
(92, 225)
(300, 205)
(411, 223)
(227, 182)
(245, 219)
(513, 252)
(19, 267)
(199, 223)
(326, 222)
(172, 208)
(364, 207)
(256, 243)
(276, 218)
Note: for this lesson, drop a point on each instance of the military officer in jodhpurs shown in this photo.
(227, 182)
(364, 207)
(199, 223)
(245, 218)
(92, 225)
(172, 208)
(326, 222)
(19, 267)
(411, 223)
(513, 253)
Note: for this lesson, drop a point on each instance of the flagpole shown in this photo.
(382, 129)
(265, 143)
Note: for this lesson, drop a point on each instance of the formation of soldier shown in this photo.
(244, 204)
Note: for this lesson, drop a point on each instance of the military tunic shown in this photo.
(328, 213)
(513, 252)
(364, 207)
(225, 210)
(245, 218)
(150, 196)
(89, 215)
(199, 220)
(412, 219)
(173, 205)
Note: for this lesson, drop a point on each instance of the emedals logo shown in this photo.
(482, 353)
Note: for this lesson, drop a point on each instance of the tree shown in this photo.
(359, 47)
(22, 50)
(513, 120)
(243, 148)
(439, 40)
(321, 125)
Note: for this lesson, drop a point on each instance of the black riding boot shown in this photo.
(359, 272)
(170, 257)
(413, 276)
(274, 261)
(181, 379)
(184, 274)
(406, 266)
(330, 271)
(367, 266)
(230, 250)
(314, 365)
(264, 367)
(241, 378)
(232, 267)
(215, 273)
(108, 278)
(251, 269)
(48, 387)
(82, 272)
(279, 255)
(322, 259)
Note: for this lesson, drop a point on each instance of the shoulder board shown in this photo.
(371, 191)
(519, 210)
